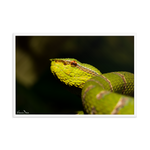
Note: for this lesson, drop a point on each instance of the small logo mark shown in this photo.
(22, 112)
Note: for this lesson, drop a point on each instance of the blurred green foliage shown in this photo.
(37, 91)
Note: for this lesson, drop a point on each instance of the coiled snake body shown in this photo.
(110, 93)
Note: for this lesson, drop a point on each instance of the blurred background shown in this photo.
(38, 92)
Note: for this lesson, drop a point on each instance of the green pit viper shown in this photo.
(110, 93)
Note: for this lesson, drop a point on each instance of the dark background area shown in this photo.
(37, 91)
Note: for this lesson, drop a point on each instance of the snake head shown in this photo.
(72, 72)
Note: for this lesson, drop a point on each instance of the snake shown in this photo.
(109, 93)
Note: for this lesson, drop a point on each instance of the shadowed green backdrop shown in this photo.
(38, 92)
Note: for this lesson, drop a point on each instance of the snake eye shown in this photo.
(73, 63)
